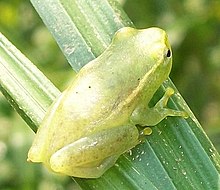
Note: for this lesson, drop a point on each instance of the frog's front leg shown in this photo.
(151, 116)
(91, 156)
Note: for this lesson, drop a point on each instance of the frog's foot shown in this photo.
(163, 101)
(152, 116)
(161, 106)
(160, 110)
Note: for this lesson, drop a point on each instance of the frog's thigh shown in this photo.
(95, 153)
(96, 170)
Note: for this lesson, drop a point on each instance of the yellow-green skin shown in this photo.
(94, 120)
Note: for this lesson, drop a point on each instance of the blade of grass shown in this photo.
(76, 26)
(25, 87)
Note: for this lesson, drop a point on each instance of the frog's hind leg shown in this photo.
(95, 169)
(91, 156)
(152, 116)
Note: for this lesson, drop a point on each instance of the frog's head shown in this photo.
(156, 52)
(149, 48)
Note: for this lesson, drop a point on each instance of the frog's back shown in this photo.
(100, 90)
(106, 84)
(101, 95)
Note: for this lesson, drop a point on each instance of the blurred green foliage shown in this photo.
(193, 28)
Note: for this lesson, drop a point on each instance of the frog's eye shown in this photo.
(168, 53)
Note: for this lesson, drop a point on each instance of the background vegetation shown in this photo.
(193, 28)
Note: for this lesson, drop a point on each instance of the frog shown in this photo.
(97, 118)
